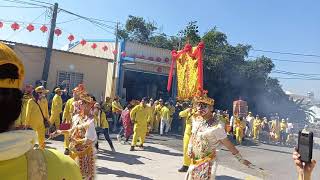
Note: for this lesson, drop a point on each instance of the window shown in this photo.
(69, 80)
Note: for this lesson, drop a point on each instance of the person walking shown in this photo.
(102, 125)
(140, 116)
(116, 110)
(56, 108)
(126, 130)
(165, 119)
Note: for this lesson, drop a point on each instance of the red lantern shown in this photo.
(30, 27)
(83, 42)
(44, 28)
(57, 32)
(1, 24)
(166, 60)
(15, 26)
(71, 37)
(159, 69)
(123, 54)
(114, 52)
(105, 48)
(94, 46)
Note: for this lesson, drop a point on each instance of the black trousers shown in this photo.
(105, 132)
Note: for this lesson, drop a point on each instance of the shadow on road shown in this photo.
(119, 157)
(226, 178)
(119, 173)
(161, 151)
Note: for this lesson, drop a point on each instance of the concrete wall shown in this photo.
(94, 69)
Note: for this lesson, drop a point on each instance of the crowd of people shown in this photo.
(27, 116)
(272, 130)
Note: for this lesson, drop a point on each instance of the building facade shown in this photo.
(139, 70)
(66, 68)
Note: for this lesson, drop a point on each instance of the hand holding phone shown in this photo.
(305, 146)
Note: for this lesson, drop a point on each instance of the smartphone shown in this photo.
(305, 146)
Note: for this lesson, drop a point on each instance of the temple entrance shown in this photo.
(142, 84)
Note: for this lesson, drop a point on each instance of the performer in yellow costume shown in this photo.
(275, 130)
(172, 111)
(21, 120)
(42, 100)
(186, 115)
(151, 107)
(67, 116)
(37, 113)
(56, 108)
(256, 128)
(18, 159)
(240, 125)
(283, 128)
(157, 119)
(139, 115)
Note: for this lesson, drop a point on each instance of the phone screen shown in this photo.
(304, 147)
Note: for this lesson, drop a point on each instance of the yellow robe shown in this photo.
(15, 167)
(256, 128)
(151, 109)
(56, 109)
(140, 116)
(43, 103)
(68, 110)
(67, 117)
(172, 110)
(22, 118)
(240, 125)
(34, 119)
(103, 123)
(275, 128)
(157, 119)
(187, 134)
(116, 107)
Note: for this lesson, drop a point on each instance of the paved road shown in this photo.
(163, 157)
(276, 160)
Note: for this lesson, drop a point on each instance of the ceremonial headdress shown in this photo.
(201, 97)
(8, 56)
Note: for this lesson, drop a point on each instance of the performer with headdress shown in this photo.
(82, 135)
(207, 135)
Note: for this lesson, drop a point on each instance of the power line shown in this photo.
(31, 7)
(92, 20)
(42, 2)
(25, 3)
(289, 78)
(286, 53)
(15, 33)
(71, 20)
(211, 52)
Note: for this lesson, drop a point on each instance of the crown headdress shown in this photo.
(201, 97)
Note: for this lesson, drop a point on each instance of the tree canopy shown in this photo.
(228, 72)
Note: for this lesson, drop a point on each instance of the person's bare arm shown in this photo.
(228, 144)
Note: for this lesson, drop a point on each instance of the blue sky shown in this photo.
(288, 26)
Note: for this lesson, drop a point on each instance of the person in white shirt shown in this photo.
(249, 120)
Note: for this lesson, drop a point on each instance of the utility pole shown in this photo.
(47, 60)
(113, 87)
